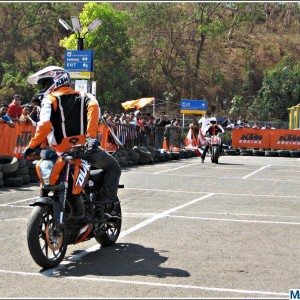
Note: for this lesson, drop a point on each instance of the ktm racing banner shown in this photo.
(250, 138)
(13, 141)
(279, 139)
(285, 139)
(25, 132)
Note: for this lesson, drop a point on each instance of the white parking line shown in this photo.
(235, 214)
(233, 220)
(11, 204)
(195, 175)
(19, 201)
(156, 284)
(216, 193)
(247, 176)
(176, 168)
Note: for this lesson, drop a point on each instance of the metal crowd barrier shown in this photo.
(133, 135)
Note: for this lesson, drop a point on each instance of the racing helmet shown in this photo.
(50, 78)
(213, 120)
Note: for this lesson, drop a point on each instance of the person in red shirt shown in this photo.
(15, 108)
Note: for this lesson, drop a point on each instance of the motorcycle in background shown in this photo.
(52, 225)
(215, 144)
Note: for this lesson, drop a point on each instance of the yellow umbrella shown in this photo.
(137, 104)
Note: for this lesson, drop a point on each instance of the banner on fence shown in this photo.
(8, 137)
(13, 141)
(24, 134)
(280, 139)
(285, 139)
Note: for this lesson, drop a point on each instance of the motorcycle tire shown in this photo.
(284, 153)
(112, 231)
(295, 153)
(215, 155)
(40, 219)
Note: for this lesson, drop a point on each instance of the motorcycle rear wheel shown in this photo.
(46, 244)
(110, 231)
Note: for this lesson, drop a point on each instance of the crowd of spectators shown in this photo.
(151, 131)
(242, 123)
(15, 112)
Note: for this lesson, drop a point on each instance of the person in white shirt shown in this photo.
(204, 122)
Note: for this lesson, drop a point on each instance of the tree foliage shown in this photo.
(280, 90)
(112, 50)
(229, 53)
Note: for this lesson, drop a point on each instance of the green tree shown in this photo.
(112, 46)
(280, 90)
(29, 35)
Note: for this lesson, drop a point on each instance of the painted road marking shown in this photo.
(19, 201)
(260, 169)
(176, 168)
(145, 215)
(156, 284)
(168, 191)
(195, 175)
(234, 220)
(216, 193)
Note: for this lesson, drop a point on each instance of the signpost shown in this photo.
(80, 63)
(189, 106)
(81, 85)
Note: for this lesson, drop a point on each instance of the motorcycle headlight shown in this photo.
(46, 167)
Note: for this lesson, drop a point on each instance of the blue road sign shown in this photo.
(79, 60)
(187, 104)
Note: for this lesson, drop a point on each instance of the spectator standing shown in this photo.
(25, 116)
(195, 128)
(246, 124)
(268, 126)
(141, 129)
(4, 118)
(35, 105)
(15, 108)
(160, 124)
(204, 121)
(150, 132)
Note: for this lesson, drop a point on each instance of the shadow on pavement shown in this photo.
(230, 164)
(123, 259)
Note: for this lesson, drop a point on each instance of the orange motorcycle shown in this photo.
(52, 225)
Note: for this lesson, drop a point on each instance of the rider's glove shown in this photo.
(27, 152)
(92, 144)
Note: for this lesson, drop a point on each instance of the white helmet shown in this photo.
(213, 120)
(50, 78)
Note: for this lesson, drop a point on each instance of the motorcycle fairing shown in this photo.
(81, 175)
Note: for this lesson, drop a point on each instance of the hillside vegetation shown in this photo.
(242, 57)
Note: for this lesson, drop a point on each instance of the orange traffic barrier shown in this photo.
(8, 137)
(280, 139)
(13, 141)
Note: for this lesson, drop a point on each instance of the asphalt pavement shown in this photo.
(190, 230)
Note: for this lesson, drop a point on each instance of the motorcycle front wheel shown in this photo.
(109, 232)
(215, 154)
(46, 243)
